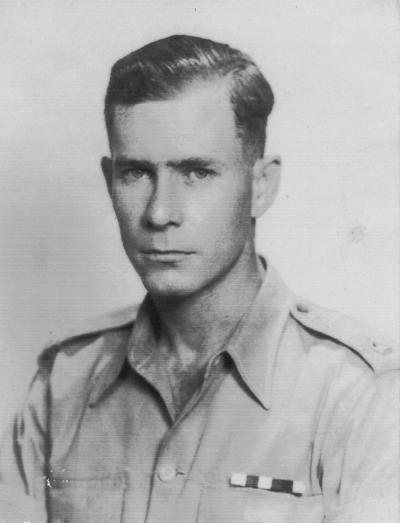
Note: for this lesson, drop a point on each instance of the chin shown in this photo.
(165, 286)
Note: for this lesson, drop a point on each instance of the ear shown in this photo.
(107, 168)
(266, 180)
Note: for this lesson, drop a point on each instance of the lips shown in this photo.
(165, 255)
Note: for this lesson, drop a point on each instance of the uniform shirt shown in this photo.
(295, 421)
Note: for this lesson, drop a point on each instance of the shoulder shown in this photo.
(330, 328)
(114, 326)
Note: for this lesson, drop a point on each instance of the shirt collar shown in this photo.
(252, 346)
(255, 341)
(141, 346)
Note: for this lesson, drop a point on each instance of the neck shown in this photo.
(197, 325)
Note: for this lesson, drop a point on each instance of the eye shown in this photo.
(134, 173)
(201, 173)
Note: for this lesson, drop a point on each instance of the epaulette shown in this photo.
(378, 354)
(92, 326)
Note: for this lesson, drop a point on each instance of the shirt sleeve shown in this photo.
(360, 474)
(23, 459)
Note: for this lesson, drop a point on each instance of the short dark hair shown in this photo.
(162, 69)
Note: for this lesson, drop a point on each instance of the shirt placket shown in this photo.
(173, 496)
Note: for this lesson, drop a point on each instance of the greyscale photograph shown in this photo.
(199, 271)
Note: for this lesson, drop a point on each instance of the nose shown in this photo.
(163, 208)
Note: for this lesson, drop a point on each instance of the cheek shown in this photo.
(127, 207)
(225, 219)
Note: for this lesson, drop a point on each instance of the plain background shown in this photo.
(334, 230)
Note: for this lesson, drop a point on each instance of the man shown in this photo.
(224, 398)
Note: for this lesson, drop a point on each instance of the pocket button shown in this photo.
(166, 473)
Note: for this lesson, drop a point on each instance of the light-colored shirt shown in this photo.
(295, 421)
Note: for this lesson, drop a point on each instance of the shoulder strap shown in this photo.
(379, 354)
(115, 319)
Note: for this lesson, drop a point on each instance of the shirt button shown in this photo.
(302, 308)
(166, 473)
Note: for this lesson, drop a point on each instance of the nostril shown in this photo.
(162, 214)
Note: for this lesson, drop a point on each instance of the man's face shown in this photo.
(180, 189)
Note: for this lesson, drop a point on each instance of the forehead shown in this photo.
(198, 121)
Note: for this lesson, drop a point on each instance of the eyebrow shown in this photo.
(123, 162)
(184, 164)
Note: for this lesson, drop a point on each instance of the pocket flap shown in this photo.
(234, 505)
(89, 500)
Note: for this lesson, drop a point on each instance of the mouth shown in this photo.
(166, 256)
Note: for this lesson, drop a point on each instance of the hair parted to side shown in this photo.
(162, 70)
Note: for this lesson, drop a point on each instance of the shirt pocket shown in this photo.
(86, 500)
(247, 505)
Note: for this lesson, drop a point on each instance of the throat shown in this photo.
(185, 380)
